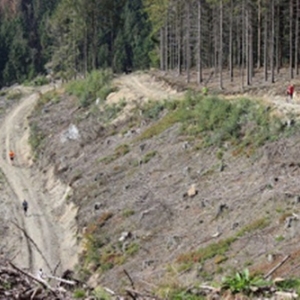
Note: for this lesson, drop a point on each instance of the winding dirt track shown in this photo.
(40, 245)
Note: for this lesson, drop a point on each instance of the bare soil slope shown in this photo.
(43, 231)
(145, 222)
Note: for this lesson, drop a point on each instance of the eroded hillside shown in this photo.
(152, 200)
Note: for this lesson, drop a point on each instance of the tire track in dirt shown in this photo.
(37, 222)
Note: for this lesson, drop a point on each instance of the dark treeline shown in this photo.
(77, 36)
(71, 37)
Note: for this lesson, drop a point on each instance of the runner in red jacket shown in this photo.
(290, 92)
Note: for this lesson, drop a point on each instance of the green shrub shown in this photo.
(128, 212)
(242, 121)
(148, 156)
(36, 139)
(243, 282)
(79, 294)
(183, 294)
(96, 85)
(153, 109)
(100, 294)
(14, 95)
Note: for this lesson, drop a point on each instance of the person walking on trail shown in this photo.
(290, 92)
(11, 155)
(25, 206)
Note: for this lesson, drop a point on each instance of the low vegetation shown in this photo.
(243, 122)
(97, 85)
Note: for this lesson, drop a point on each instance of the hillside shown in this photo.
(154, 200)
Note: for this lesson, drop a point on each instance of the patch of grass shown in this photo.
(14, 95)
(153, 109)
(279, 238)
(122, 150)
(220, 259)
(2, 93)
(128, 212)
(132, 249)
(255, 225)
(109, 258)
(243, 122)
(36, 139)
(119, 151)
(97, 85)
(100, 294)
(148, 156)
(51, 96)
(38, 81)
(218, 250)
(182, 294)
(210, 251)
(243, 282)
(160, 126)
(288, 284)
(79, 294)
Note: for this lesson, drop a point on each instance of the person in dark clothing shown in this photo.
(25, 206)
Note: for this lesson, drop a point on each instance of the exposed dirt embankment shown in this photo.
(154, 207)
(45, 237)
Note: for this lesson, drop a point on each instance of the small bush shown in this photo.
(96, 85)
(100, 294)
(255, 225)
(36, 138)
(148, 157)
(119, 151)
(243, 282)
(128, 212)
(14, 95)
(153, 109)
(39, 81)
(79, 294)
(208, 252)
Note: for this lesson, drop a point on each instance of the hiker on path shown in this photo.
(290, 92)
(11, 155)
(25, 206)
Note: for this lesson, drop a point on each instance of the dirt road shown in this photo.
(42, 231)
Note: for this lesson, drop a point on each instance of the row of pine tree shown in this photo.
(73, 37)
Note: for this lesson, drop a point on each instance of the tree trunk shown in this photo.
(291, 40)
(188, 42)
(230, 42)
(297, 36)
(221, 47)
(166, 48)
(162, 51)
(199, 63)
(266, 46)
(272, 41)
(277, 46)
(259, 34)
(247, 43)
(243, 45)
(179, 40)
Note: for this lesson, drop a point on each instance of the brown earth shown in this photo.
(148, 199)
(36, 240)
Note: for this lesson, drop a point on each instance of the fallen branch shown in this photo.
(130, 279)
(70, 282)
(109, 291)
(42, 282)
(134, 294)
(34, 244)
(276, 267)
